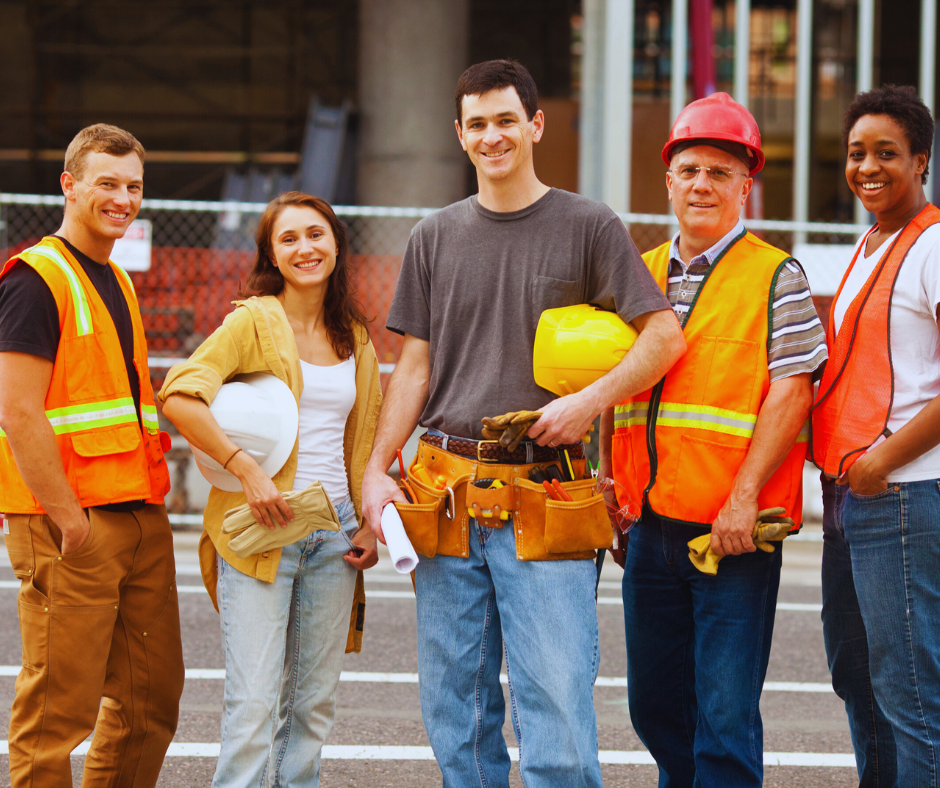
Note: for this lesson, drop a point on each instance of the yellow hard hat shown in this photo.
(576, 345)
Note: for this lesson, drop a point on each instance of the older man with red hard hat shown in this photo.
(719, 439)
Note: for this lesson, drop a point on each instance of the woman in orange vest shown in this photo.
(875, 435)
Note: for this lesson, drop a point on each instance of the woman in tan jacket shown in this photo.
(289, 613)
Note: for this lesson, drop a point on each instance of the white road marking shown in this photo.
(218, 674)
(352, 752)
(809, 607)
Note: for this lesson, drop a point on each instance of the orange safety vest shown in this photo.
(106, 456)
(857, 389)
(678, 446)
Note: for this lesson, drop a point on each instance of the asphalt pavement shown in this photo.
(379, 739)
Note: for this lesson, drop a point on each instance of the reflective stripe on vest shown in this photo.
(148, 414)
(89, 417)
(83, 324)
(675, 414)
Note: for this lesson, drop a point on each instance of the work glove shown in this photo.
(772, 526)
(313, 511)
(510, 429)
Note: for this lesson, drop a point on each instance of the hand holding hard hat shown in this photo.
(259, 414)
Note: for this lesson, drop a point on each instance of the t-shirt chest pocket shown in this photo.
(549, 293)
(88, 372)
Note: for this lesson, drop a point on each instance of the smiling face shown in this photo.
(497, 135)
(106, 198)
(304, 247)
(880, 168)
(707, 211)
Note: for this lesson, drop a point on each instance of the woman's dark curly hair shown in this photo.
(900, 103)
(341, 308)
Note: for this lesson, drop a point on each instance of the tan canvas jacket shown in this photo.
(256, 337)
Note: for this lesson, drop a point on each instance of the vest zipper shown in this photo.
(651, 416)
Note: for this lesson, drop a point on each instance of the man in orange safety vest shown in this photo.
(82, 480)
(718, 439)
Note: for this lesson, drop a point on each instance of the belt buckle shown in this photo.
(483, 459)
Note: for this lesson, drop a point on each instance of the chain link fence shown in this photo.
(202, 251)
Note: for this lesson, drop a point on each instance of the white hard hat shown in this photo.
(259, 414)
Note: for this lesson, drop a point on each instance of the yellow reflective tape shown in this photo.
(83, 324)
(710, 410)
(704, 425)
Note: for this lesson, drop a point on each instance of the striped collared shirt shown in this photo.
(798, 342)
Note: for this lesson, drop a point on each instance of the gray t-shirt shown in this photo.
(474, 283)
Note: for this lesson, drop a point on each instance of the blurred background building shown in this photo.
(238, 98)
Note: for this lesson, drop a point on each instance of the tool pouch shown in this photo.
(421, 523)
(551, 530)
(436, 523)
(545, 529)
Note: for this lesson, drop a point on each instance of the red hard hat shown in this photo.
(717, 117)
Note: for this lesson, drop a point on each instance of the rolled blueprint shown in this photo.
(399, 546)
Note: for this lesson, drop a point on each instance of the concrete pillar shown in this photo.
(411, 54)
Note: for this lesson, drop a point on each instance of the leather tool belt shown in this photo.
(528, 452)
(439, 521)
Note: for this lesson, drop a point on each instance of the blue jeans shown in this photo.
(894, 541)
(543, 616)
(284, 644)
(847, 651)
(697, 652)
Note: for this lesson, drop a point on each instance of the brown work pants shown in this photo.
(101, 650)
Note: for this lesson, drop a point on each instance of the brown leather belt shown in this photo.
(491, 451)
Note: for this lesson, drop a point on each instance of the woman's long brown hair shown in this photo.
(341, 308)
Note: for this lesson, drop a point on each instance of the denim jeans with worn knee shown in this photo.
(847, 651)
(894, 542)
(543, 616)
(284, 644)
(697, 653)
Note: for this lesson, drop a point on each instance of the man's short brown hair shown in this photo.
(495, 75)
(100, 138)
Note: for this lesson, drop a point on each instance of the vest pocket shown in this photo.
(725, 374)
(87, 372)
(705, 471)
(114, 440)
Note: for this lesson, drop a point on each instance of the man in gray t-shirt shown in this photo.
(475, 279)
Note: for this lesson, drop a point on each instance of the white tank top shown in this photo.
(328, 396)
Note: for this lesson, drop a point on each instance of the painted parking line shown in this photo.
(218, 674)
(809, 607)
(385, 752)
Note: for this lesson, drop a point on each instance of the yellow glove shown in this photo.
(772, 526)
(510, 429)
(313, 511)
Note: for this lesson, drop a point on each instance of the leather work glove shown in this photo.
(510, 429)
(772, 526)
(313, 511)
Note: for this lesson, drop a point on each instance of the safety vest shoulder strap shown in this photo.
(52, 263)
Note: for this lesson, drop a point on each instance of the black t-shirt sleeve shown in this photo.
(29, 317)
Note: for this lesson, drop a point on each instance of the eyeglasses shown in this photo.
(717, 175)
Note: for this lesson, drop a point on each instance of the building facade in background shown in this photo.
(224, 93)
